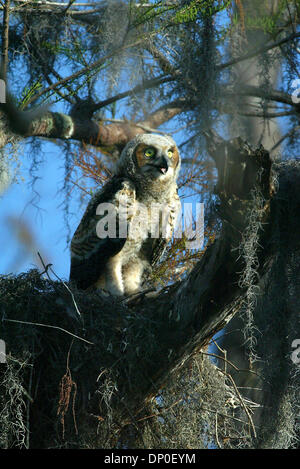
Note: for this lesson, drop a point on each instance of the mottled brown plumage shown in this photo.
(142, 194)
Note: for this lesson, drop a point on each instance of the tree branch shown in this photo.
(41, 123)
(270, 94)
(258, 51)
(143, 86)
(5, 38)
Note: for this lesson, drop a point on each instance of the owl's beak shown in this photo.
(162, 164)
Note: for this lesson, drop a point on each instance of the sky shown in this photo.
(24, 215)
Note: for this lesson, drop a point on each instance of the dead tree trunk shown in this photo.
(88, 381)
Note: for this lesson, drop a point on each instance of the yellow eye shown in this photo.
(170, 153)
(149, 152)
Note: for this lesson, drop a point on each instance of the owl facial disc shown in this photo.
(150, 156)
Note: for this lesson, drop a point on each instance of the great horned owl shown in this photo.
(145, 177)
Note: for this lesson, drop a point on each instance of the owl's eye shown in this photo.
(149, 152)
(170, 153)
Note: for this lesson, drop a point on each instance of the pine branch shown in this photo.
(84, 70)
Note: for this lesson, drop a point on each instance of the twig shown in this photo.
(71, 293)
(161, 412)
(230, 363)
(291, 18)
(224, 352)
(226, 416)
(46, 267)
(51, 327)
(71, 96)
(241, 401)
(64, 284)
(69, 5)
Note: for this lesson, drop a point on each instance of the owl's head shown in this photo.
(150, 156)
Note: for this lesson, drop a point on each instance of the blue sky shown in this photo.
(42, 216)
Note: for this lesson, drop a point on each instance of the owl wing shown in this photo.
(89, 252)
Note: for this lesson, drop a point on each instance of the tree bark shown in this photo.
(81, 127)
